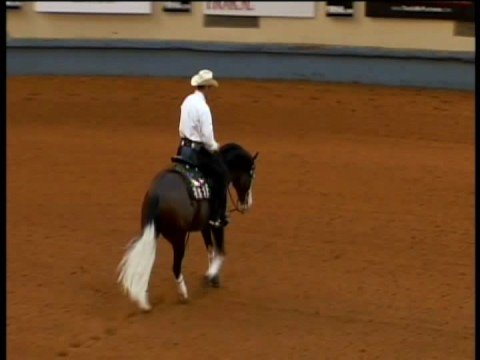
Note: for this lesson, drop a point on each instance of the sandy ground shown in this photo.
(360, 243)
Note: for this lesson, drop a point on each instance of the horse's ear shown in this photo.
(255, 156)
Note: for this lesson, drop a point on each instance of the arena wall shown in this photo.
(407, 52)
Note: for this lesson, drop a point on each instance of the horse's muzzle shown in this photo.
(243, 207)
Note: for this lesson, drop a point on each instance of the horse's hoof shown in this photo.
(183, 300)
(215, 281)
(145, 307)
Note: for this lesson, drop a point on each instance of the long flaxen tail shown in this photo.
(137, 263)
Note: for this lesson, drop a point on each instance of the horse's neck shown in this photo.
(233, 156)
(233, 166)
(230, 159)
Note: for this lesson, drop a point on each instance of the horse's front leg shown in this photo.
(216, 258)
(207, 239)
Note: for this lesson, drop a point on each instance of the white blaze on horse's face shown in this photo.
(249, 203)
(249, 196)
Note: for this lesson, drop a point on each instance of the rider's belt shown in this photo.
(191, 144)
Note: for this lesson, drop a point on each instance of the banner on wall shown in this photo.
(439, 10)
(177, 6)
(340, 8)
(95, 7)
(301, 9)
(13, 4)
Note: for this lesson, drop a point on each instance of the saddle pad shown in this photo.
(198, 185)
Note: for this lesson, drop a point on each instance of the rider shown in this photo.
(196, 133)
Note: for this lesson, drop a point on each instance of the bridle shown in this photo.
(232, 200)
(235, 203)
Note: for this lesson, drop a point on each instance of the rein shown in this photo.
(235, 203)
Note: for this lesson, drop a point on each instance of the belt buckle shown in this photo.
(191, 144)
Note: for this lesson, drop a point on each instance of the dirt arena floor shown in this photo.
(359, 245)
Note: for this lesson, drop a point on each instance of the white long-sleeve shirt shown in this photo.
(196, 121)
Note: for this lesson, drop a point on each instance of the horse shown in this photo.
(170, 210)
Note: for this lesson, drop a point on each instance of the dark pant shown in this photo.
(213, 167)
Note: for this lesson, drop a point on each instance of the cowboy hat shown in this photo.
(204, 78)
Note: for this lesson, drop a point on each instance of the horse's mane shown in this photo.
(232, 147)
(233, 152)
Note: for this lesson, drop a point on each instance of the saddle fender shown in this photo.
(198, 186)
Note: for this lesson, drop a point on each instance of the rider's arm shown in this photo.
(206, 126)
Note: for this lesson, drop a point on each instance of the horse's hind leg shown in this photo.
(178, 244)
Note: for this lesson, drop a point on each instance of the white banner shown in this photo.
(95, 7)
(177, 6)
(339, 8)
(13, 4)
(305, 9)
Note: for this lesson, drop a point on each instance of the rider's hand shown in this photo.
(214, 148)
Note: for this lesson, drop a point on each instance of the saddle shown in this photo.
(198, 185)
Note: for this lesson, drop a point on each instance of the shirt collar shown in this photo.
(200, 94)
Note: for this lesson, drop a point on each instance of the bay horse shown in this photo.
(169, 210)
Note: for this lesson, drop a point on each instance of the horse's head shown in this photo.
(241, 167)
